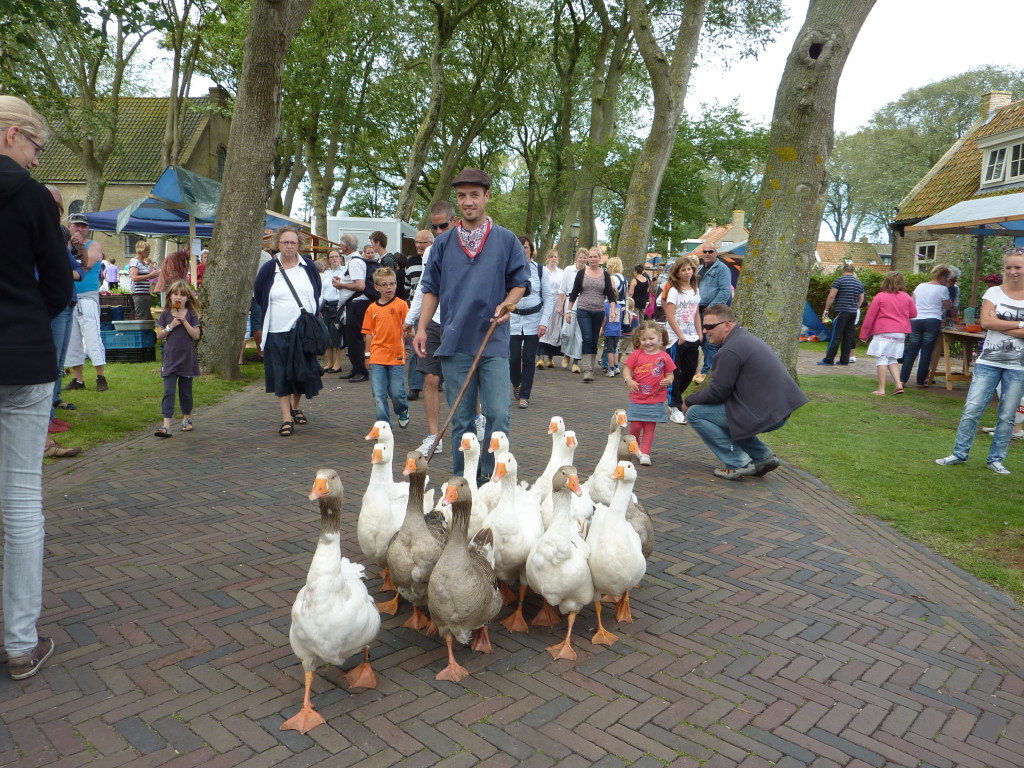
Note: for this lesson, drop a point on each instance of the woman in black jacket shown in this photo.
(35, 289)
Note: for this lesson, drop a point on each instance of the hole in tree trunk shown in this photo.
(815, 51)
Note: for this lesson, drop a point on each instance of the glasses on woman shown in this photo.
(38, 147)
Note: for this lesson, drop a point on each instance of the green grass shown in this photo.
(133, 401)
(879, 454)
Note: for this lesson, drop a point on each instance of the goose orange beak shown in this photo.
(570, 441)
(618, 473)
(410, 467)
(499, 472)
(319, 489)
(574, 485)
(464, 445)
(552, 427)
(378, 456)
(634, 447)
(374, 434)
(621, 418)
(494, 445)
(451, 494)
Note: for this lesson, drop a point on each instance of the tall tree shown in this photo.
(773, 287)
(246, 185)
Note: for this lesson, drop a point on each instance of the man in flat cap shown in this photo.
(477, 271)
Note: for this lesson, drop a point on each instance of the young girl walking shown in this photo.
(648, 372)
(178, 327)
(684, 330)
(888, 323)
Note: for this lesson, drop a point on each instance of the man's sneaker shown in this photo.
(998, 468)
(403, 421)
(425, 445)
(645, 460)
(989, 430)
(677, 416)
(588, 376)
(610, 373)
(853, 359)
(762, 468)
(28, 664)
(75, 384)
(101, 384)
(728, 473)
(480, 423)
(950, 460)
(825, 362)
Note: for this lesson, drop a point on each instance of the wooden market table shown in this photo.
(970, 342)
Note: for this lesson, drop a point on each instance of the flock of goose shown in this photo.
(471, 553)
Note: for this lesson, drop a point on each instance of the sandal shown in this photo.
(898, 391)
(286, 429)
(299, 417)
(186, 425)
(162, 431)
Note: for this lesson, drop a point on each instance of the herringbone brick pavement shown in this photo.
(774, 626)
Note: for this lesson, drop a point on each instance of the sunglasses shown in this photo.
(441, 227)
(712, 326)
(708, 251)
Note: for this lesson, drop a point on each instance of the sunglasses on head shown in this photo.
(441, 227)
(712, 326)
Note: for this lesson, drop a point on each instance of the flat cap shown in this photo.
(472, 176)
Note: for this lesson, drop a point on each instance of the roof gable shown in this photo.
(956, 177)
(137, 145)
(861, 255)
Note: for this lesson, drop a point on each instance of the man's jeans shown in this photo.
(921, 338)
(412, 372)
(983, 386)
(389, 381)
(844, 329)
(490, 384)
(60, 327)
(712, 425)
(24, 412)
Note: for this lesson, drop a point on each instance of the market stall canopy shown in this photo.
(1002, 215)
(180, 204)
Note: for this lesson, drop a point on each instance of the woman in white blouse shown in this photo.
(932, 299)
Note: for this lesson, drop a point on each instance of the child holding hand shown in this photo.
(178, 327)
(648, 372)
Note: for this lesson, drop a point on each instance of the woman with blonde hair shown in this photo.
(35, 289)
(888, 320)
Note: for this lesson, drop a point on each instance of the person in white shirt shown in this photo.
(550, 340)
(331, 309)
(572, 338)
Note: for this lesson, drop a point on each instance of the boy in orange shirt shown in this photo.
(383, 325)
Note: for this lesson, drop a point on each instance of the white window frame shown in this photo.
(1002, 158)
(924, 256)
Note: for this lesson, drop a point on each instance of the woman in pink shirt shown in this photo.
(888, 321)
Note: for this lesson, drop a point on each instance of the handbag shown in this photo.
(309, 328)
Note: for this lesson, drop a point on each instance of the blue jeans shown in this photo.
(60, 327)
(24, 412)
(921, 339)
(590, 329)
(490, 384)
(389, 381)
(707, 347)
(983, 386)
(412, 372)
(712, 425)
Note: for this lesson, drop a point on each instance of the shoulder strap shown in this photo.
(290, 286)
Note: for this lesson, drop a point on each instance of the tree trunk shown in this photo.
(670, 75)
(773, 286)
(237, 236)
(424, 136)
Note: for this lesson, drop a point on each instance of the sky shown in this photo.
(903, 44)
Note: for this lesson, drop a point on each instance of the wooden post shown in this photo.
(979, 248)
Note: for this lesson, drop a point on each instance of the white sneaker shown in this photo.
(480, 422)
(989, 430)
(950, 460)
(998, 468)
(425, 445)
(610, 373)
(645, 460)
(677, 416)
(853, 359)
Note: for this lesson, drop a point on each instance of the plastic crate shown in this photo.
(106, 325)
(128, 339)
(131, 355)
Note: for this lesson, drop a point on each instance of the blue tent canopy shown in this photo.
(179, 201)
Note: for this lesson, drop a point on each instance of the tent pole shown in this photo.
(192, 256)
(978, 253)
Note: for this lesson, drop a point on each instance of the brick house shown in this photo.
(136, 163)
(724, 237)
(987, 160)
(862, 254)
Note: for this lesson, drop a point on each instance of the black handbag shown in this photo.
(309, 328)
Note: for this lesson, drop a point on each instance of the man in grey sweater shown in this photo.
(751, 392)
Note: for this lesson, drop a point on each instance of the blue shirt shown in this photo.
(715, 284)
(469, 289)
(849, 289)
(91, 279)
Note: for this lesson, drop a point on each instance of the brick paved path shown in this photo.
(774, 626)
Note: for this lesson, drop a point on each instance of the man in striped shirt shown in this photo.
(847, 294)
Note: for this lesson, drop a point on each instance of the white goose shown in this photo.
(556, 428)
(381, 512)
(636, 514)
(600, 483)
(562, 450)
(333, 616)
(557, 566)
(616, 560)
(489, 493)
(517, 525)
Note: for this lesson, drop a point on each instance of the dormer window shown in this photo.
(1003, 159)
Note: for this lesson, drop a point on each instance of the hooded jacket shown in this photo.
(35, 282)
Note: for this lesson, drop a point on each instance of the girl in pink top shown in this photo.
(888, 321)
(647, 372)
